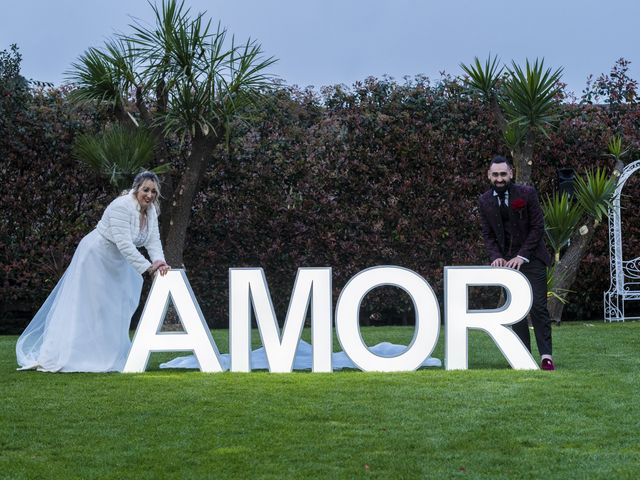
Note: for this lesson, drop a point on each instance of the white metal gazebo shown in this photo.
(625, 274)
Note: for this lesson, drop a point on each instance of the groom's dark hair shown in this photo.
(500, 159)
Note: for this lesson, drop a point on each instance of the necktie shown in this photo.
(506, 225)
(504, 208)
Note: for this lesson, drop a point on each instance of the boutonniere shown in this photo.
(517, 204)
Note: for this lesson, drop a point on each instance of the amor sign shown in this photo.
(248, 292)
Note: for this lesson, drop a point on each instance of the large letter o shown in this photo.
(427, 319)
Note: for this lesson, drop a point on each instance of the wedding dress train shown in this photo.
(83, 326)
(302, 359)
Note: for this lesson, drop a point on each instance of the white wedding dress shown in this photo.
(83, 326)
(302, 359)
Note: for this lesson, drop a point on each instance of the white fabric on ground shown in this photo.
(302, 359)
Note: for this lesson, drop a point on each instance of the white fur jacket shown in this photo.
(120, 224)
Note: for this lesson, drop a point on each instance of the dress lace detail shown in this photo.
(142, 236)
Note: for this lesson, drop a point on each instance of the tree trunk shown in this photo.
(168, 191)
(179, 214)
(497, 112)
(566, 270)
(523, 159)
(162, 153)
(618, 168)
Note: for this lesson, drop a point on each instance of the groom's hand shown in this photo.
(515, 262)
(499, 262)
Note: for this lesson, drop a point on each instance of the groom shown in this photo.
(513, 230)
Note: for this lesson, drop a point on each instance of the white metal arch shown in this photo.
(625, 274)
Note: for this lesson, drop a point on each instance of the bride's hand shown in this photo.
(161, 267)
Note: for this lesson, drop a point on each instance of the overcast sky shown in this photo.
(323, 42)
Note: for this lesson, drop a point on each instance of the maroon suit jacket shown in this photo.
(526, 221)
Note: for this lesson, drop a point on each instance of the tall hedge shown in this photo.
(379, 173)
(47, 202)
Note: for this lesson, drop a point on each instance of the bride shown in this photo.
(83, 326)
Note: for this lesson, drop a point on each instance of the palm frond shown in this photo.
(615, 147)
(247, 82)
(483, 78)
(561, 217)
(594, 193)
(190, 112)
(96, 79)
(530, 97)
(105, 75)
(117, 153)
(513, 135)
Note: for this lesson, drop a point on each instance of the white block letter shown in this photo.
(459, 318)
(248, 286)
(175, 287)
(427, 319)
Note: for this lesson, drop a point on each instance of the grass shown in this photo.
(581, 421)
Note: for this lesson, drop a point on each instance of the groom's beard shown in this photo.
(501, 188)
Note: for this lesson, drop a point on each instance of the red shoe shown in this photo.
(547, 364)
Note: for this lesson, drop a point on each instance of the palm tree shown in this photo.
(183, 81)
(570, 226)
(524, 101)
(593, 198)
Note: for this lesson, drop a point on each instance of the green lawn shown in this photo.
(581, 421)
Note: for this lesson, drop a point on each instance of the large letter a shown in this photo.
(175, 287)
